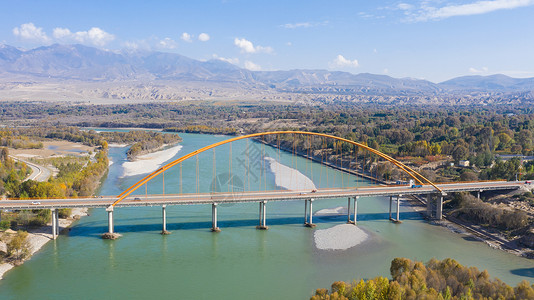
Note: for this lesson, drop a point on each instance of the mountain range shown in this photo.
(105, 71)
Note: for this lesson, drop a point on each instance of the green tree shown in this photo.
(19, 247)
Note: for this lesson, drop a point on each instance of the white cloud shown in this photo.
(303, 25)
(427, 13)
(186, 37)
(203, 37)
(297, 25)
(478, 71)
(29, 32)
(246, 46)
(234, 60)
(404, 6)
(60, 33)
(252, 66)
(341, 61)
(94, 36)
(167, 43)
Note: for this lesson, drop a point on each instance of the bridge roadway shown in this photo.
(262, 197)
(257, 196)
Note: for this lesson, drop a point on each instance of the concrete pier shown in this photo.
(214, 226)
(439, 208)
(164, 220)
(110, 219)
(54, 223)
(263, 223)
(111, 234)
(397, 219)
(354, 210)
(429, 206)
(309, 222)
(390, 205)
(398, 208)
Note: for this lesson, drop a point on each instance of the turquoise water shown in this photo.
(240, 262)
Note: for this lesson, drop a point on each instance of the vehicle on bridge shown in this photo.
(416, 186)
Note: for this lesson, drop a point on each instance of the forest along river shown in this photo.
(240, 262)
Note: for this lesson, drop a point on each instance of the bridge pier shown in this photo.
(164, 220)
(309, 220)
(390, 205)
(355, 210)
(429, 206)
(478, 194)
(214, 226)
(439, 208)
(262, 216)
(397, 220)
(398, 208)
(55, 223)
(110, 235)
(110, 220)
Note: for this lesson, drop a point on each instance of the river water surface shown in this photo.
(240, 262)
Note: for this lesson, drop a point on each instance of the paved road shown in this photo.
(239, 196)
(39, 173)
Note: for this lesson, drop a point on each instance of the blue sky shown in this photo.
(431, 39)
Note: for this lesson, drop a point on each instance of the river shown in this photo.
(240, 262)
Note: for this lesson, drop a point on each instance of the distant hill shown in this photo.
(497, 82)
(86, 72)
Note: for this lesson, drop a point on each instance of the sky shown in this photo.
(434, 40)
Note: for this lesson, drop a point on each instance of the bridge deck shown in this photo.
(240, 196)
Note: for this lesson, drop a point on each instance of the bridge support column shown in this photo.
(390, 205)
(439, 208)
(349, 221)
(355, 209)
(262, 216)
(397, 220)
(429, 206)
(110, 219)
(214, 226)
(398, 208)
(310, 216)
(305, 212)
(54, 223)
(478, 194)
(164, 220)
(110, 235)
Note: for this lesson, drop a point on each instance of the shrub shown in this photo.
(4, 224)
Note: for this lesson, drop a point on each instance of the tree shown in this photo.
(19, 247)
(459, 153)
(468, 175)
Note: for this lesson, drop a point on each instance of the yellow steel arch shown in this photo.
(412, 173)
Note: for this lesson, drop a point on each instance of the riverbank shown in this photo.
(38, 237)
(474, 231)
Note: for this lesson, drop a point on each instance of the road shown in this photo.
(241, 197)
(39, 173)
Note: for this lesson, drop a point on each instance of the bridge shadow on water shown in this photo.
(96, 228)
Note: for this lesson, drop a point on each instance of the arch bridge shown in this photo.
(345, 155)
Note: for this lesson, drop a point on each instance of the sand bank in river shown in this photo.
(289, 178)
(149, 162)
(339, 237)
